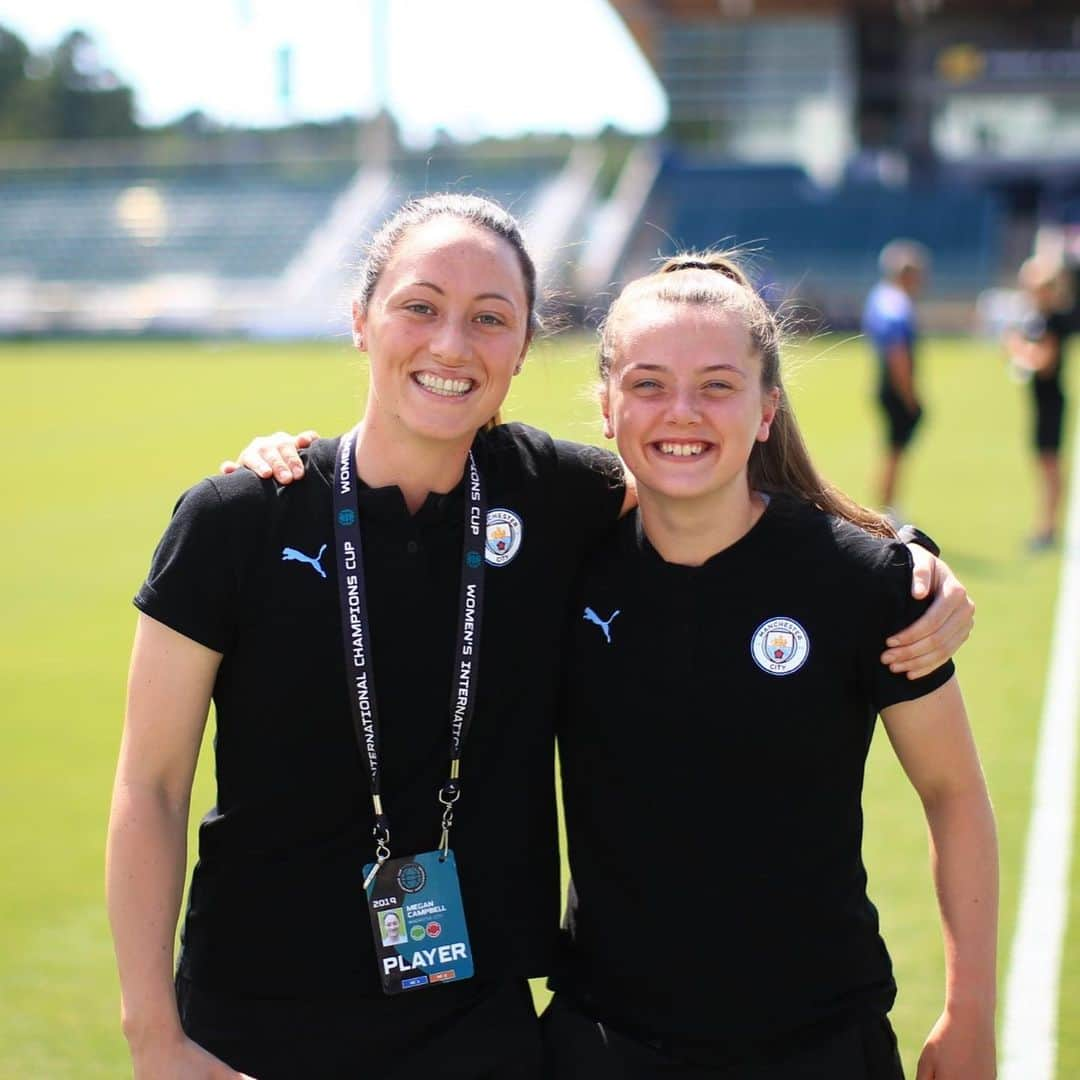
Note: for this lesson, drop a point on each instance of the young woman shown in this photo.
(423, 571)
(722, 686)
(279, 974)
(1037, 348)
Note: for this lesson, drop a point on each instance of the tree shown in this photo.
(66, 93)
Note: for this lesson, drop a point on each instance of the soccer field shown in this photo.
(118, 430)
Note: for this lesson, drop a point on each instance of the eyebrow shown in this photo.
(663, 367)
(479, 296)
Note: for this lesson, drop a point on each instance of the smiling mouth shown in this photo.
(452, 388)
(682, 449)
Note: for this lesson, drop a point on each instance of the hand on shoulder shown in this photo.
(275, 455)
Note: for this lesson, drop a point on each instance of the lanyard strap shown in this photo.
(356, 636)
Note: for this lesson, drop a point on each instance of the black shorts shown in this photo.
(900, 421)
(578, 1048)
(469, 1030)
(1049, 415)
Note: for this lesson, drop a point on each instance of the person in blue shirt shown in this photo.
(889, 323)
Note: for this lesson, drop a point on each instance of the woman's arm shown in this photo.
(933, 741)
(169, 687)
(945, 625)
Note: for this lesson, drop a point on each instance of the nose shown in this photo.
(449, 343)
(683, 407)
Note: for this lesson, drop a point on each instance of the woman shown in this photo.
(1037, 350)
(413, 722)
(749, 599)
(278, 972)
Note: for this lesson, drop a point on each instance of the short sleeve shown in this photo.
(888, 318)
(894, 331)
(590, 486)
(192, 585)
(893, 609)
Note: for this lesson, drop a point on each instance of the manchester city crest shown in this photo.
(503, 537)
(780, 646)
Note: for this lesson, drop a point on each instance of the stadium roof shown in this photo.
(644, 18)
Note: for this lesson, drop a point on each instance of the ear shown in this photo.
(768, 414)
(521, 356)
(605, 408)
(357, 326)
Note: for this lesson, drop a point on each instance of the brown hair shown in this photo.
(483, 213)
(781, 464)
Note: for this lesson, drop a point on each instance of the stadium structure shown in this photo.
(804, 133)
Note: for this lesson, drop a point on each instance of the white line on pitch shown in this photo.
(1029, 1038)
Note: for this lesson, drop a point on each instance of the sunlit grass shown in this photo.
(106, 435)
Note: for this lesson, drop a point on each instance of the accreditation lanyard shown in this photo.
(356, 639)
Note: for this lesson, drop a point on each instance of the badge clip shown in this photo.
(382, 850)
(448, 795)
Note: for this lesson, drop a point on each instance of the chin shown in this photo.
(444, 428)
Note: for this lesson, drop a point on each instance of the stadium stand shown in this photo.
(263, 247)
(819, 244)
(125, 226)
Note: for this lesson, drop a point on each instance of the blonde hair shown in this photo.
(781, 464)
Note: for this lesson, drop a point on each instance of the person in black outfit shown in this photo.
(1037, 349)
(277, 974)
(722, 686)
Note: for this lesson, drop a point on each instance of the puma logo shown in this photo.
(292, 555)
(591, 616)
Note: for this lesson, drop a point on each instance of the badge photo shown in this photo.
(780, 646)
(503, 536)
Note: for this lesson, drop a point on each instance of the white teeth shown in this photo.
(682, 449)
(446, 387)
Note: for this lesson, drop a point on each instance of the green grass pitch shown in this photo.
(105, 435)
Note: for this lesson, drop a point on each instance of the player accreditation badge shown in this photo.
(418, 922)
(780, 646)
(504, 533)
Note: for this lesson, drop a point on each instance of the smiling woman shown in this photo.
(445, 331)
(773, 596)
(439, 522)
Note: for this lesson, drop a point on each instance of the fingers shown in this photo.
(227, 467)
(923, 571)
(929, 642)
(934, 637)
(276, 455)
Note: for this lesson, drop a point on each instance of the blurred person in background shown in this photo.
(1036, 349)
(889, 322)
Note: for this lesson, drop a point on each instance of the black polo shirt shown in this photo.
(276, 903)
(712, 756)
